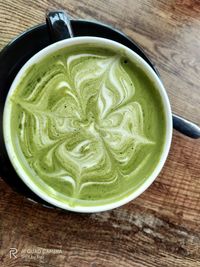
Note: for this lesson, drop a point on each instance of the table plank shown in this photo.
(161, 227)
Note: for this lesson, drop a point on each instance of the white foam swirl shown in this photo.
(82, 120)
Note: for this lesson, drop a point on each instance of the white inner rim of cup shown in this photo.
(150, 73)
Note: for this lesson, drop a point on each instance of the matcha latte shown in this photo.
(87, 125)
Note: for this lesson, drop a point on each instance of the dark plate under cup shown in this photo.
(19, 51)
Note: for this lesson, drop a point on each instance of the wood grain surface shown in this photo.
(161, 227)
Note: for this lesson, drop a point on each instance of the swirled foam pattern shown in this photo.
(87, 125)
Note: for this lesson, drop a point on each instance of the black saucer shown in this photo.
(14, 56)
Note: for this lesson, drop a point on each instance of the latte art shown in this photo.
(87, 129)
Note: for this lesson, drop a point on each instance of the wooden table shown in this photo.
(161, 227)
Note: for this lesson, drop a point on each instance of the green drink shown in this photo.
(87, 125)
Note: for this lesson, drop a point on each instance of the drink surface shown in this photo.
(87, 125)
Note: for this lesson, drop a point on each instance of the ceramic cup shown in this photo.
(134, 58)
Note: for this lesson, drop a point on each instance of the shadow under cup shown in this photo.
(110, 112)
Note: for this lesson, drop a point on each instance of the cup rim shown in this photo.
(150, 73)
